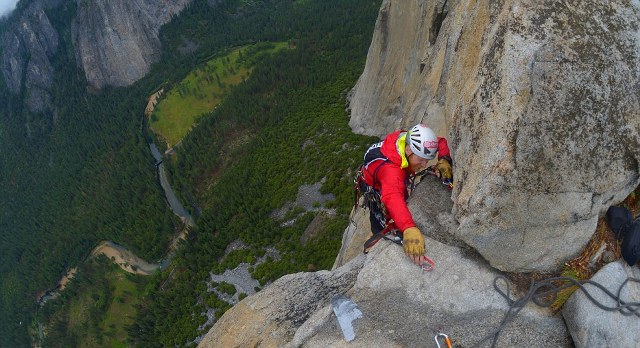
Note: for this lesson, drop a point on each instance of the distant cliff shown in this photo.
(115, 43)
(27, 47)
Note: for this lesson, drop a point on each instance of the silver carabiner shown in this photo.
(447, 341)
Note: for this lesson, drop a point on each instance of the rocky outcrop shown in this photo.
(401, 305)
(27, 50)
(271, 318)
(592, 326)
(540, 102)
(116, 41)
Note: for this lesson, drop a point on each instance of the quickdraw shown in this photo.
(356, 188)
(369, 193)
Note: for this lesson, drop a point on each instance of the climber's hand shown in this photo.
(443, 168)
(413, 244)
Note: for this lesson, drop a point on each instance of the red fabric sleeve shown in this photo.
(443, 148)
(392, 194)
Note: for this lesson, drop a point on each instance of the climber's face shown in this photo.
(416, 163)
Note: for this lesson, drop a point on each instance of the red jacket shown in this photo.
(391, 180)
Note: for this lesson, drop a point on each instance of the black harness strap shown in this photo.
(377, 236)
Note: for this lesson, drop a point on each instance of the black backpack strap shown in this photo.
(373, 154)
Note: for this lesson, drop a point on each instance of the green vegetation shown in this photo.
(203, 89)
(69, 180)
(95, 309)
(226, 288)
(284, 127)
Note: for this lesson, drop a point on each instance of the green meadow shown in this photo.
(203, 89)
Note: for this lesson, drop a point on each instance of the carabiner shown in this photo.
(447, 341)
(427, 264)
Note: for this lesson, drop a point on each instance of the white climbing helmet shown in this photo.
(423, 141)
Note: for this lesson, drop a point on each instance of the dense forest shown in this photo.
(84, 173)
(70, 179)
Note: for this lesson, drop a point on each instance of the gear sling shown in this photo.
(380, 224)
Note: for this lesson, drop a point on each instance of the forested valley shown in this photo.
(84, 173)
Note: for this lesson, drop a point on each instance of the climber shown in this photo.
(389, 167)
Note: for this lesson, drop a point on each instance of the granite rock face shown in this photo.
(401, 305)
(540, 102)
(27, 50)
(116, 41)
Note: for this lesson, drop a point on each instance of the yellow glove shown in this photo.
(413, 242)
(444, 168)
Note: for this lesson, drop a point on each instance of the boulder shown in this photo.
(540, 102)
(590, 325)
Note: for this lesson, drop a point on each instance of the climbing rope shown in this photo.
(545, 293)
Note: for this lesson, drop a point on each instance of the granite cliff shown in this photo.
(540, 102)
(27, 49)
(115, 43)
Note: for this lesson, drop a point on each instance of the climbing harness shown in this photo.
(447, 341)
(545, 293)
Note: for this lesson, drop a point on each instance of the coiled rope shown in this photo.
(544, 293)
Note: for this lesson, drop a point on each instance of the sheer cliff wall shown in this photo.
(539, 101)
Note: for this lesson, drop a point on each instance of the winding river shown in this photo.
(122, 256)
(175, 205)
